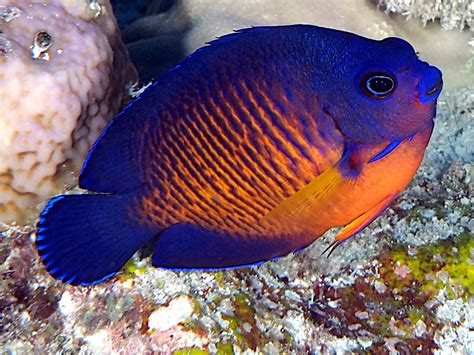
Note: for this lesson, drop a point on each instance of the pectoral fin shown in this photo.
(318, 192)
(322, 191)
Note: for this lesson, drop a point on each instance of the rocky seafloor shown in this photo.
(404, 285)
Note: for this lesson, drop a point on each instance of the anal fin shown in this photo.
(189, 247)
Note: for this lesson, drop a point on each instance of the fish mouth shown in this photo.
(430, 85)
(437, 87)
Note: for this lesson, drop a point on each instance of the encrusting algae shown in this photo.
(398, 295)
(406, 298)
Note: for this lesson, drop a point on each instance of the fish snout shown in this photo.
(430, 85)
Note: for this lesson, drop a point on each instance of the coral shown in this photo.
(63, 75)
(164, 318)
(405, 299)
(455, 14)
(407, 295)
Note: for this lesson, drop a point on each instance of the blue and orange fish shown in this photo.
(251, 148)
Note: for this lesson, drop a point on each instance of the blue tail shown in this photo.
(85, 239)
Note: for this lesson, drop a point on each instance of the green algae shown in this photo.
(417, 213)
(415, 315)
(219, 277)
(225, 349)
(245, 318)
(414, 214)
(397, 294)
(131, 270)
(452, 257)
(240, 327)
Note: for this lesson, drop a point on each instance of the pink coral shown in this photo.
(63, 75)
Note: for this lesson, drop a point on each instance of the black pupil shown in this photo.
(380, 85)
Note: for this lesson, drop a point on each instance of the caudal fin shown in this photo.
(85, 239)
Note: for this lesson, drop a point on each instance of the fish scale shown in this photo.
(204, 203)
(217, 140)
(269, 140)
(185, 175)
(228, 175)
(294, 147)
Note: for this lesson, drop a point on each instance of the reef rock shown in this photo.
(454, 14)
(63, 76)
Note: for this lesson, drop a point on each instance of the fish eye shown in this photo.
(377, 85)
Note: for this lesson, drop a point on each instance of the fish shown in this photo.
(250, 149)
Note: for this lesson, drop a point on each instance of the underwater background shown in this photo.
(403, 285)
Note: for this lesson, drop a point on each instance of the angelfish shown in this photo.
(251, 148)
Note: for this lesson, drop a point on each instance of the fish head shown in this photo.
(380, 90)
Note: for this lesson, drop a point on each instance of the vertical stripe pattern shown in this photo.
(226, 155)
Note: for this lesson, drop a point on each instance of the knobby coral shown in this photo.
(63, 73)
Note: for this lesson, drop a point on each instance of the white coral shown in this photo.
(454, 14)
(63, 72)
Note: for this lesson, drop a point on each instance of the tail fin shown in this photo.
(85, 239)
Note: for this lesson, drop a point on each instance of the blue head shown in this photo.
(375, 90)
